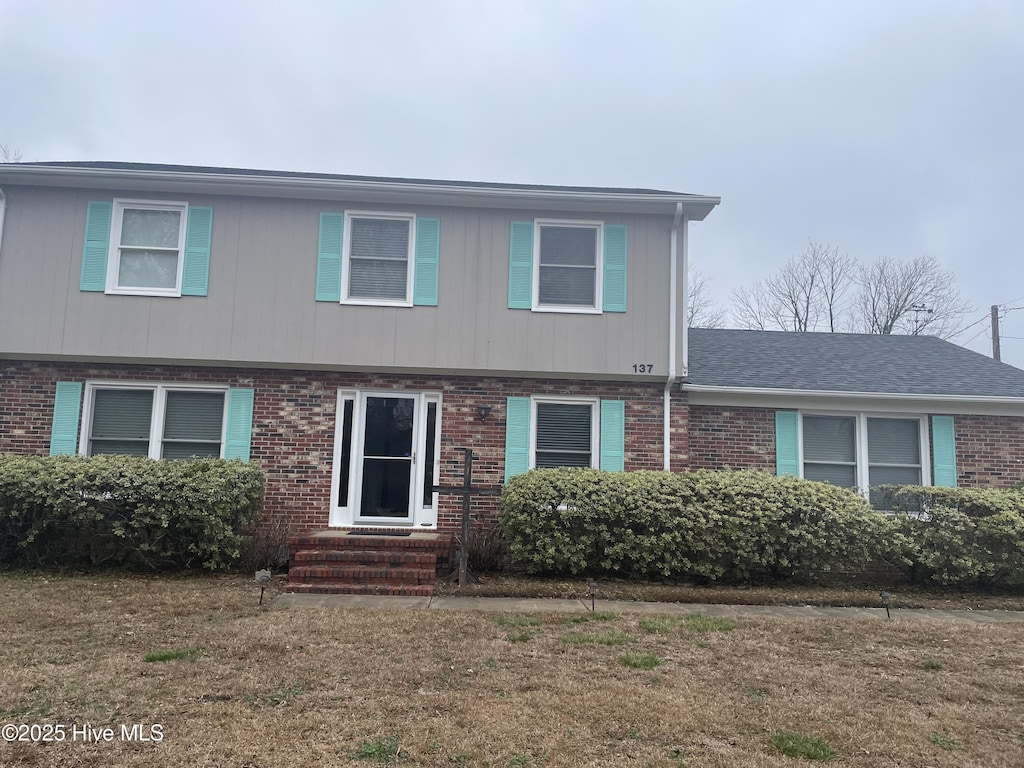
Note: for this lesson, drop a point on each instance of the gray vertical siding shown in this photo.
(261, 308)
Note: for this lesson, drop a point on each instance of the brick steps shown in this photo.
(353, 563)
(403, 590)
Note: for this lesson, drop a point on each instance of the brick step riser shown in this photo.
(376, 559)
(360, 589)
(360, 575)
(343, 544)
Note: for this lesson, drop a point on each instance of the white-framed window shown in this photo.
(864, 451)
(564, 432)
(378, 258)
(147, 246)
(567, 264)
(161, 421)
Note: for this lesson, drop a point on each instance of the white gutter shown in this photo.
(673, 300)
(835, 393)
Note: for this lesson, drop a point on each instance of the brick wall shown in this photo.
(989, 450)
(294, 422)
(737, 438)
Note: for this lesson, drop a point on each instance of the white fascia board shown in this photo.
(696, 207)
(879, 401)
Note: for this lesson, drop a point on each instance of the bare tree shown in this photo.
(807, 294)
(701, 310)
(9, 155)
(914, 298)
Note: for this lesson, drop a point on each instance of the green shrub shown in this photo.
(125, 511)
(963, 537)
(700, 525)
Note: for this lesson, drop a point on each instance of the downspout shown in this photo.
(3, 209)
(673, 300)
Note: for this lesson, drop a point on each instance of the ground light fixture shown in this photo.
(593, 594)
(886, 600)
(262, 578)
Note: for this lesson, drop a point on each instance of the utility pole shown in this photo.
(995, 331)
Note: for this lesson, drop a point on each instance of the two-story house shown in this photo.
(351, 333)
(347, 333)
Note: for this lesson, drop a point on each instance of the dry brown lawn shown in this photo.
(437, 688)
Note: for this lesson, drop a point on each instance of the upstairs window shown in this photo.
(156, 421)
(568, 266)
(378, 255)
(146, 247)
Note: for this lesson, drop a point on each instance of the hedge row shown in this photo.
(124, 511)
(744, 526)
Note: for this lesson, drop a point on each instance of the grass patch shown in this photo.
(189, 654)
(943, 741)
(932, 665)
(516, 620)
(640, 660)
(583, 618)
(521, 637)
(659, 624)
(383, 750)
(700, 623)
(608, 637)
(799, 745)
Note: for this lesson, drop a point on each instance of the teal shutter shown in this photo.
(520, 265)
(787, 443)
(67, 403)
(239, 432)
(943, 451)
(517, 436)
(613, 435)
(195, 278)
(615, 268)
(428, 248)
(328, 261)
(97, 245)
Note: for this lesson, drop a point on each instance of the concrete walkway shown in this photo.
(550, 605)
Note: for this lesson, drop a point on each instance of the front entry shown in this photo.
(385, 463)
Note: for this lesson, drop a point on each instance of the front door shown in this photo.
(385, 462)
(386, 474)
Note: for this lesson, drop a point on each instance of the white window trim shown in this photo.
(595, 426)
(598, 307)
(424, 517)
(156, 422)
(861, 442)
(346, 254)
(114, 253)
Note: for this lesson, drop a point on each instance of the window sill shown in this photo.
(567, 310)
(174, 294)
(375, 303)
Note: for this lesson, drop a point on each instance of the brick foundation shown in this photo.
(294, 423)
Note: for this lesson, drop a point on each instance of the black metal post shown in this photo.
(467, 479)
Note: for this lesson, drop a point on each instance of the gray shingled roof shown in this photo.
(846, 362)
(123, 166)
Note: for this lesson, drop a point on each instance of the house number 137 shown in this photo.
(643, 367)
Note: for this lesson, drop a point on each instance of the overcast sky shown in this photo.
(882, 128)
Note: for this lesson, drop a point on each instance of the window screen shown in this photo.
(894, 455)
(121, 421)
(379, 259)
(193, 423)
(830, 449)
(564, 435)
(568, 266)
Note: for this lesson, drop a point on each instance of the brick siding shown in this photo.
(989, 450)
(294, 422)
(737, 438)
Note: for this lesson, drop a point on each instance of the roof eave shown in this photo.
(695, 207)
(809, 393)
